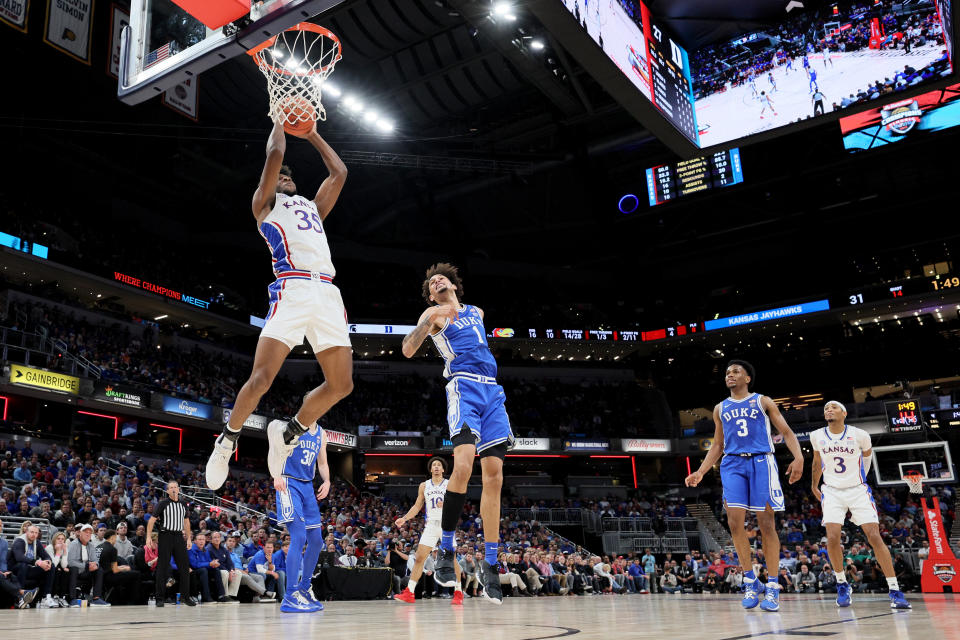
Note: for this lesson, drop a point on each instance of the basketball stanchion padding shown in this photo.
(296, 63)
(215, 13)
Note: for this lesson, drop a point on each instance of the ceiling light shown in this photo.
(536, 45)
(331, 89)
(161, 317)
(384, 125)
(501, 8)
(371, 116)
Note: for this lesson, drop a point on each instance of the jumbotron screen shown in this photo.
(901, 120)
(812, 62)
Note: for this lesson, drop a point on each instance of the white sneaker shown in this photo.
(218, 464)
(48, 603)
(279, 451)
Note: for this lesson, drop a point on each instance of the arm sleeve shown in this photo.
(866, 444)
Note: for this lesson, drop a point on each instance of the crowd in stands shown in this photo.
(717, 66)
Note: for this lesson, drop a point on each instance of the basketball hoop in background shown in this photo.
(914, 480)
(296, 63)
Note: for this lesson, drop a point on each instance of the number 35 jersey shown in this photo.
(463, 346)
(301, 464)
(294, 232)
(746, 427)
(841, 455)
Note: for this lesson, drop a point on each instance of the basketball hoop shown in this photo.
(914, 480)
(296, 62)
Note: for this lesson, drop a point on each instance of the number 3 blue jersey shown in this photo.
(746, 427)
(463, 346)
(301, 464)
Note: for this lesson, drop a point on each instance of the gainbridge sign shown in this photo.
(49, 380)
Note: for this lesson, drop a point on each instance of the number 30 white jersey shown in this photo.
(433, 498)
(841, 455)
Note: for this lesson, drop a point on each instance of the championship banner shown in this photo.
(118, 21)
(50, 380)
(939, 573)
(531, 444)
(68, 27)
(341, 439)
(255, 422)
(183, 407)
(119, 394)
(183, 98)
(14, 13)
(645, 445)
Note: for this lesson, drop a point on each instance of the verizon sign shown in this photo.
(342, 439)
(645, 445)
(532, 444)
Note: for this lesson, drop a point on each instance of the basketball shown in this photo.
(299, 117)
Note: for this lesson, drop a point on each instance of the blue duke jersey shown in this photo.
(301, 464)
(746, 427)
(463, 345)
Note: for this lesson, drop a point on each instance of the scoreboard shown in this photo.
(903, 416)
(667, 182)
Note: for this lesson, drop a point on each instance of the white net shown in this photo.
(296, 64)
(914, 482)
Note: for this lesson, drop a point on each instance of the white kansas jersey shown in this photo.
(841, 455)
(433, 498)
(294, 232)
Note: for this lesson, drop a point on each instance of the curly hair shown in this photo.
(443, 269)
(443, 463)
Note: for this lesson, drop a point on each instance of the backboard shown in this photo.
(931, 459)
(165, 45)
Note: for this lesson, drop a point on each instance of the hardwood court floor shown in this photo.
(608, 617)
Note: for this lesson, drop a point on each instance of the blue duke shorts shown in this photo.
(751, 482)
(478, 406)
(299, 502)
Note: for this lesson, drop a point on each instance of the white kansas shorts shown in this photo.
(857, 500)
(306, 308)
(431, 534)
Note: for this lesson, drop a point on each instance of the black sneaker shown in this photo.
(444, 573)
(190, 602)
(490, 581)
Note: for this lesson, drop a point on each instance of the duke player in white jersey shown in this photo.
(298, 510)
(304, 303)
(430, 496)
(476, 417)
(842, 455)
(749, 475)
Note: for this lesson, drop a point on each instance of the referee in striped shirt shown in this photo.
(173, 531)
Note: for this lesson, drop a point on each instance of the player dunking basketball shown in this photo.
(749, 475)
(304, 302)
(476, 417)
(297, 508)
(842, 455)
(430, 495)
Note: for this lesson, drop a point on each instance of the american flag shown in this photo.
(156, 56)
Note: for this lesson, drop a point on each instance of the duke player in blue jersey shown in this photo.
(304, 303)
(298, 510)
(749, 475)
(476, 417)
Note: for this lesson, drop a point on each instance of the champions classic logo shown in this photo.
(945, 572)
(901, 117)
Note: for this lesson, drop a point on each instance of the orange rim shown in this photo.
(301, 26)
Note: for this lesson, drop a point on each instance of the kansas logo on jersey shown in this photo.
(295, 202)
(840, 448)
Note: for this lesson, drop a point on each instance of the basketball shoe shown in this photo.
(750, 597)
(312, 599)
(443, 572)
(218, 464)
(296, 603)
(457, 597)
(771, 600)
(490, 581)
(282, 441)
(405, 596)
(843, 594)
(898, 600)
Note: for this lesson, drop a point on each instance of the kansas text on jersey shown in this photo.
(298, 244)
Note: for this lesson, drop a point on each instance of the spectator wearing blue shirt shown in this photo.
(22, 473)
(252, 580)
(206, 570)
(639, 578)
(280, 564)
(262, 563)
(795, 536)
(788, 562)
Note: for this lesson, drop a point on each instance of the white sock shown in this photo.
(412, 585)
(893, 584)
(234, 430)
(457, 587)
(841, 576)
